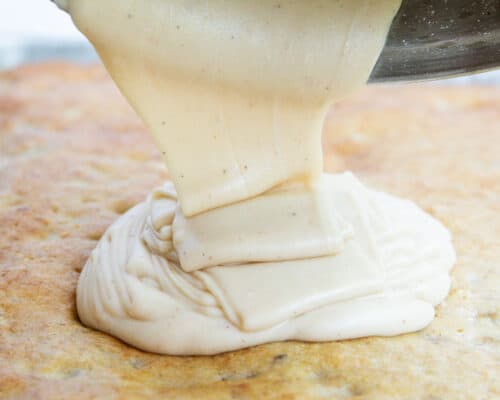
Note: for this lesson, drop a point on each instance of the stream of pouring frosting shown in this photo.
(252, 243)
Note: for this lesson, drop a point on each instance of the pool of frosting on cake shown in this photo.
(251, 242)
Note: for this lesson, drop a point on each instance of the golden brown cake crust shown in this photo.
(73, 156)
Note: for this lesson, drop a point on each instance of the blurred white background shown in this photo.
(36, 30)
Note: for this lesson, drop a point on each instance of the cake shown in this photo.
(74, 156)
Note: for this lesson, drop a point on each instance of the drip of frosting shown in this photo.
(290, 222)
(235, 92)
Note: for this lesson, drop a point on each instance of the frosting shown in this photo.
(251, 242)
(304, 225)
(235, 92)
(385, 281)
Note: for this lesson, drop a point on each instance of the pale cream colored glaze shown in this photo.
(235, 93)
(384, 282)
(290, 222)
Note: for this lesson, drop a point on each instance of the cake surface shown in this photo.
(74, 156)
